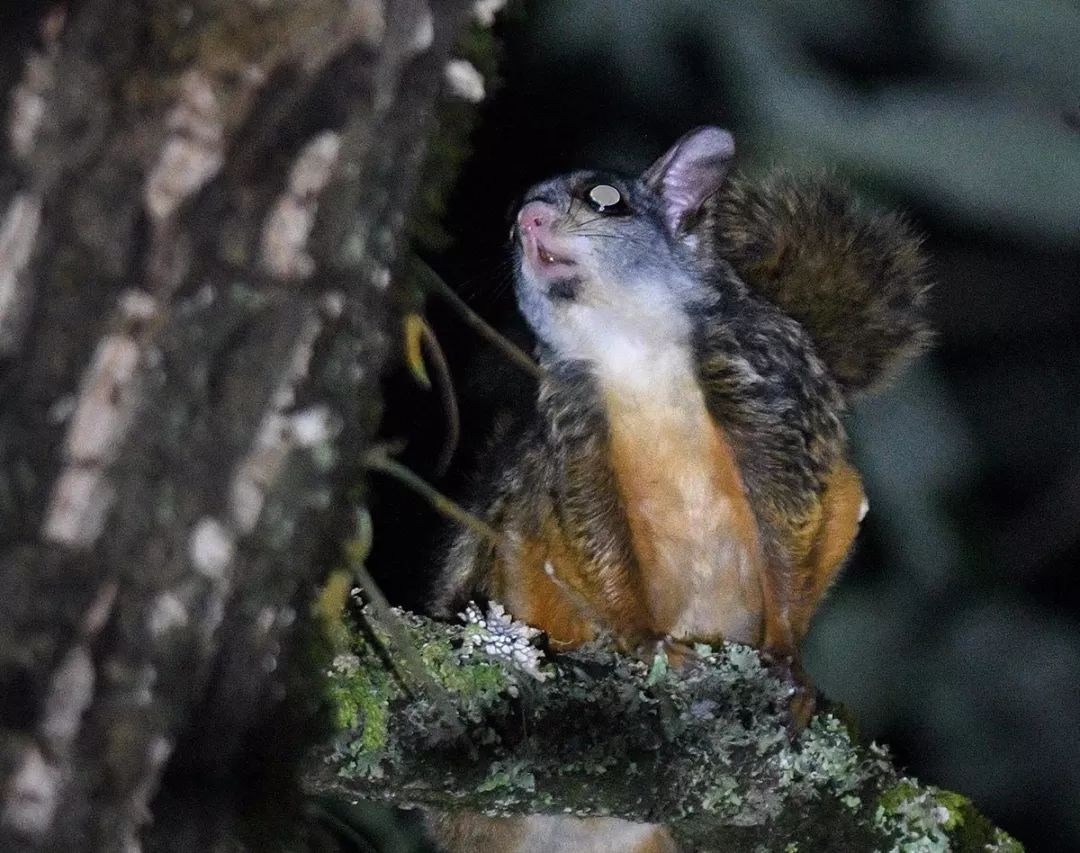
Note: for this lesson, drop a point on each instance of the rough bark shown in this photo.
(201, 206)
(703, 749)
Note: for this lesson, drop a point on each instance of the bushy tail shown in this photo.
(856, 281)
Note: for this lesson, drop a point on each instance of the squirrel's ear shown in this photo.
(689, 172)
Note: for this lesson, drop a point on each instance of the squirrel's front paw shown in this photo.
(677, 653)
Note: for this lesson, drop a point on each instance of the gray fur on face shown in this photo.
(625, 262)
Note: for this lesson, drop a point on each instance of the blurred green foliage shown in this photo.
(979, 132)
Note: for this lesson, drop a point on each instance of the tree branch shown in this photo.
(703, 749)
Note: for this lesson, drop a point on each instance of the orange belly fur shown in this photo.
(522, 583)
(698, 567)
(694, 533)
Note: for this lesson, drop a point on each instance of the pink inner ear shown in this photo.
(679, 202)
(691, 171)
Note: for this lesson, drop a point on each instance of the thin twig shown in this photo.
(434, 283)
(449, 400)
(414, 664)
(420, 337)
(412, 330)
(383, 614)
(377, 460)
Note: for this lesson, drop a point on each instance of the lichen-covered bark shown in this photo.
(201, 206)
(703, 749)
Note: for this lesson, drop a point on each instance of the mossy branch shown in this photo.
(703, 750)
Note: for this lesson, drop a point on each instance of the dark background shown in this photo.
(953, 634)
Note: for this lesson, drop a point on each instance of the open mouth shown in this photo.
(540, 256)
(555, 272)
(547, 258)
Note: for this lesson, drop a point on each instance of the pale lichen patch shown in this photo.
(109, 394)
(380, 277)
(39, 75)
(97, 614)
(69, 695)
(32, 794)
(465, 81)
(211, 547)
(157, 754)
(138, 305)
(423, 35)
(276, 438)
(332, 304)
(194, 150)
(497, 634)
(104, 412)
(925, 819)
(18, 230)
(167, 613)
(285, 234)
(313, 426)
(78, 507)
(484, 11)
(911, 816)
(28, 108)
(246, 499)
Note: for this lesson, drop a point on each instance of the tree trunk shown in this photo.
(201, 207)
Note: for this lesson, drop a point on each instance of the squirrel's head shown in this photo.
(599, 254)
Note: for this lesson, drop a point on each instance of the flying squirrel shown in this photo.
(685, 475)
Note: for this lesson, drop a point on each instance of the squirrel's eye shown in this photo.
(605, 198)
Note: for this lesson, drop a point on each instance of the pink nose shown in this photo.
(536, 215)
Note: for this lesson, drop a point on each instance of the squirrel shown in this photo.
(685, 476)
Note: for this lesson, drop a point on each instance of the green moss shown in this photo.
(969, 829)
(959, 808)
(897, 796)
(1004, 843)
(508, 775)
(481, 681)
(361, 702)
(478, 682)
(924, 818)
(365, 695)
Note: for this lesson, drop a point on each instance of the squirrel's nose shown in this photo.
(536, 215)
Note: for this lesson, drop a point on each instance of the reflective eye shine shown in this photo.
(604, 196)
